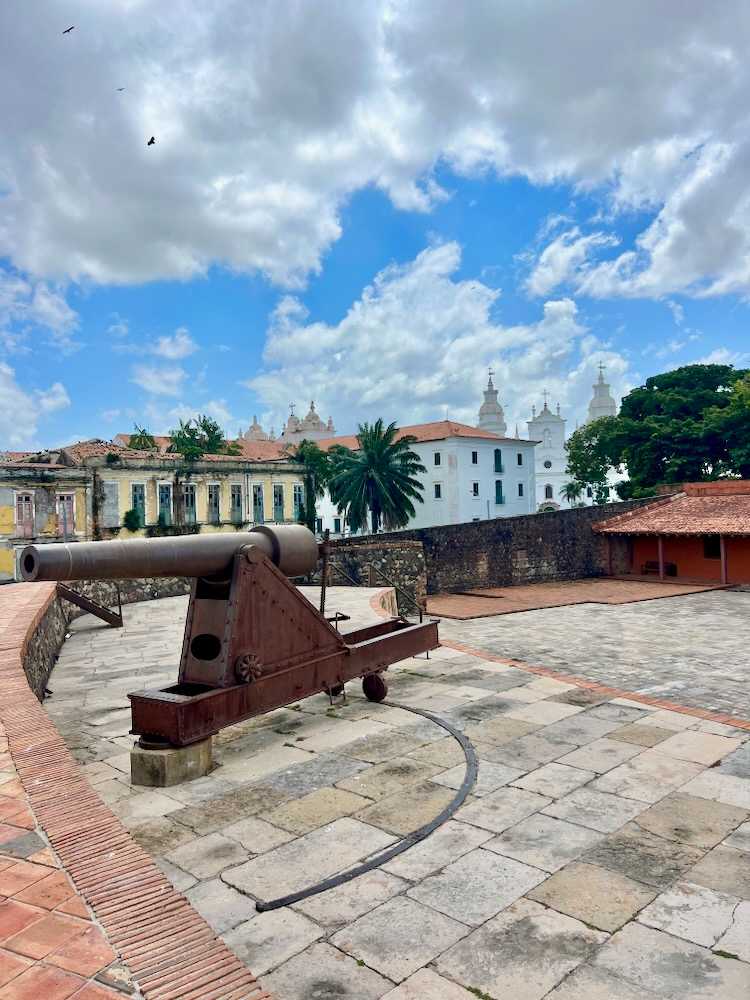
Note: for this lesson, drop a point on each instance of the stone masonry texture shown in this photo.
(558, 545)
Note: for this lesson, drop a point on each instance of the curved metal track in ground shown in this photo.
(410, 839)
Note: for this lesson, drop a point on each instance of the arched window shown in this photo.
(548, 494)
(547, 437)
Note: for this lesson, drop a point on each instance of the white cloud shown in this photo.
(20, 410)
(678, 313)
(162, 420)
(26, 304)
(164, 381)
(119, 327)
(54, 398)
(181, 345)
(108, 416)
(418, 341)
(252, 164)
(563, 259)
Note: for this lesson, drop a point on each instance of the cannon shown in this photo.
(253, 642)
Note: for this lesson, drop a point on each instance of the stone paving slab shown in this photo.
(591, 815)
(670, 967)
(522, 953)
(690, 649)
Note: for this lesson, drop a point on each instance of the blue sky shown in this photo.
(371, 224)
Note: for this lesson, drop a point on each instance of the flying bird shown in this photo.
(68, 30)
(120, 89)
(151, 141)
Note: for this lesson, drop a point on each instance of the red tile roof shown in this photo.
(437, 430)
(723, 510)
(253, 451)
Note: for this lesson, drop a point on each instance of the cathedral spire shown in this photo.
(602, 402)
(491, 415)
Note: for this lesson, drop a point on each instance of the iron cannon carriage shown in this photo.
(253, 642)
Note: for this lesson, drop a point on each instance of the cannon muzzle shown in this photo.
(291, 547)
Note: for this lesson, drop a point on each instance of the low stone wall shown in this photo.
(375, 563)
(45, 640)
(43, 643)
(558, 545)
(131, 591)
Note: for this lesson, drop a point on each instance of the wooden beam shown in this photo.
(660, 543)
(723, 549)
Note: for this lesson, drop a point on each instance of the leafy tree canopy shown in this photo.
(142, 440)
(316, 470)
(378, 480)
(687, 425)
(200, 436)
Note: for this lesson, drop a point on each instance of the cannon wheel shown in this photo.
(374, 687)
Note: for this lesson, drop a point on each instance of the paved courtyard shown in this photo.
(691, 649)
(604, 853)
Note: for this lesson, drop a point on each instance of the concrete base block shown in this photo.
(161, 768)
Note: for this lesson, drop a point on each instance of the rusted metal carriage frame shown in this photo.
(257, 668)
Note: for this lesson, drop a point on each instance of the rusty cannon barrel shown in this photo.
(291, 547)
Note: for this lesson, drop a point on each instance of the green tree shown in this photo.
(378, 479)
(731, 423)
(316, 471)
(200, 436)
(142, 440)
(572, 492)
(689, 424)
(591, 455)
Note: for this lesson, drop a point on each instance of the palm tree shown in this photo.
(377, 479)
(142, 440)
(571, 492)
(315, 474)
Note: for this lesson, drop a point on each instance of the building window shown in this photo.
(236, 503)
(475, 489)
(165, 503)
(319, 525)
(258, 513)
(214, 509)
(298, 496)
(519, 458)
(520, 489)
(437, 491)
(711, 547)
(499, 498)
(548, 464)
(437, 458)
(475, 458)
(499, 461)
(110, 509)
(138, 501)
(188, 500)
(337, 525)
(25, 514)
(589, 492)
(548, 492)
(278, 502)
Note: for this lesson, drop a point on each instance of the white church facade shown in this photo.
(472, 475)
(548, 428)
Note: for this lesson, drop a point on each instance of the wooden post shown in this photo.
(723, 549)
(660, 543)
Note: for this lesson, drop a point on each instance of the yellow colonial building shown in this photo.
(103, 489)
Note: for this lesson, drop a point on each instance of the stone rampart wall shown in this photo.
(534, 548)
(381, 563)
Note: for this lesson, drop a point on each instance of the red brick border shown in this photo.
(171, 951)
